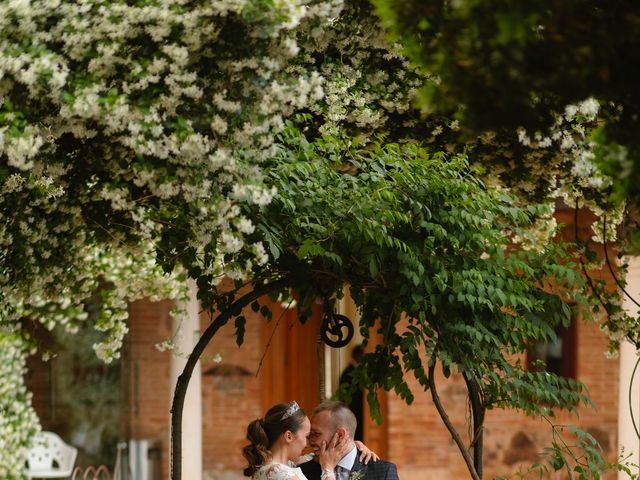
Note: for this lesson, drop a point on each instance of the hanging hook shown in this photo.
(337, 330)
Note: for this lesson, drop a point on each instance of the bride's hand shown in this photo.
(366, 455)
(331, 454)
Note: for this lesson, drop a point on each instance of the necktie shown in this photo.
(342, 473)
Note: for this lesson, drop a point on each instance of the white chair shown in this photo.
(50, 457)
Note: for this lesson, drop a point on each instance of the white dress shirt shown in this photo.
(349, 459)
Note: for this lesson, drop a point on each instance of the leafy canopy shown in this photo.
(138, 138)
(427, 253)
(506, 65)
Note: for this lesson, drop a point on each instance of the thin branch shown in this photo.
(266, 349)
(582, 265)
(606, 256)
(447, 422)
(179, 395)
(633, 418)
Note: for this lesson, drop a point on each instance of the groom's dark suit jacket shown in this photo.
(379, 470)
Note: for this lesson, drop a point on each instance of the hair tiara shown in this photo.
(291, 409)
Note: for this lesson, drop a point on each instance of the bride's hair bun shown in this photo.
(262, 433)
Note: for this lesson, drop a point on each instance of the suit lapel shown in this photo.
(358, 467)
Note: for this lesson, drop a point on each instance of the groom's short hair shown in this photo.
(341, 415)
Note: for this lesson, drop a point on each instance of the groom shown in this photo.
(328, 418)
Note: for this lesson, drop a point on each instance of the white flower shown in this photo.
(230, 243)
(219, 125)
(570, 111)
(567, 142)
(523, 138)
(245, 226)
(291, 46)
(545, 142)
(253, 194)
(261, 255)
(589, 108)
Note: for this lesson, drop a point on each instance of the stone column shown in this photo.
(189, 327)
(627, 436)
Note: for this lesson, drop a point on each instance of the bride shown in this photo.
(277, 442)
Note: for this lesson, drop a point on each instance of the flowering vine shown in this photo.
(130, 135)
(18, 420)
(134, 139)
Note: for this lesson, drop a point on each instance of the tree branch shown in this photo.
(184, 378)
(445, 419)
(477, 413)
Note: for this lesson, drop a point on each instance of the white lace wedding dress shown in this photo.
(278, 471)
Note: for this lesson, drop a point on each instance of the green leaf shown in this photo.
(240, 324)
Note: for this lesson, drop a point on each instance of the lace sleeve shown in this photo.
(275, 472)
(327, 475)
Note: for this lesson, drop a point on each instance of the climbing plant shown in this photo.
(276, 143)
(524, 64)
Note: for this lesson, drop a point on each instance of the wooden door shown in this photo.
(290, 369)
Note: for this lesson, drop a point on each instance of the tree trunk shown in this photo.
(477, 413)
(184, 378)
(447, 422)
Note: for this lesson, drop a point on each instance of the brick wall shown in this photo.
(230, 400)
(422, 448)
(146, 380)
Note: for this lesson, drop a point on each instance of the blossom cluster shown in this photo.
(619, 326)
(369, 87)
(542, 165)
(130, 134)
(18, 421)
(138, 123)
(370, 91)
(151, 101)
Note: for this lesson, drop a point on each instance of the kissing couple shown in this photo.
(278, 440)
